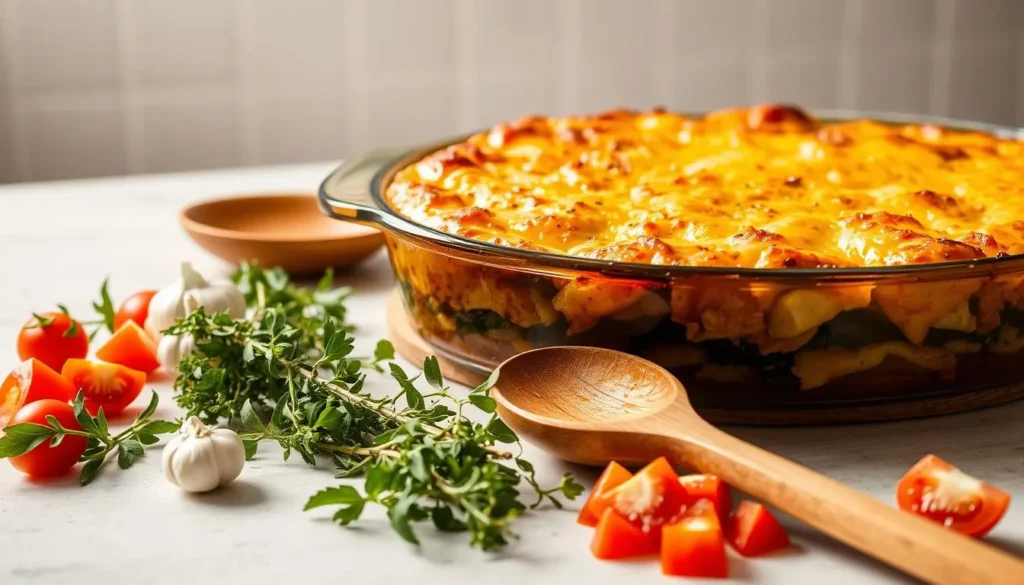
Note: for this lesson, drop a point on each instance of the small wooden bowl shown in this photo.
(285, 229)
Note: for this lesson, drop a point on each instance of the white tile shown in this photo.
(617, 64)
(183, 42)
(177, 137)
(706, 87)
(407, 116)
(411, 37)
(67, 144)
(65, 45)
(811, 84)
(295, 47)
(513, 98)
(982, 87)
(804, 27)
(891, 83)
(301, 129)
(514, 36)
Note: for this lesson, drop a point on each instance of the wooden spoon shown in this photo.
(591, 406)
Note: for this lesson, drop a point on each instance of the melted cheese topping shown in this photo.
(763, 187)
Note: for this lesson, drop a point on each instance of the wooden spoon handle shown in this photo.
(917, 546)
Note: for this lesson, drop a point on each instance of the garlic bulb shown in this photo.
(167, 306)
(174, 348)
(201, 459)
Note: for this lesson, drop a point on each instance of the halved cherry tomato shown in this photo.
(938, 491)
(110, 386)
(131, 347)
(53, 339)
(32, 380)
(45, 460)
(618, 538)
(709, 487)
(134, 308)
(612, 477)
(649, 499)
(694, 546)
(752, 530)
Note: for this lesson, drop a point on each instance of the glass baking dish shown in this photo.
(478, 304)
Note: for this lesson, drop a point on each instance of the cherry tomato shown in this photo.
(694, 547)
(940, 492)
(53, 340)
(131, 347)
(32, 380)
(709, 487)
(110, 386)
(618, 538)
(612, 477)
(44, 460)
(649, 499)
(752, 530)
(134, 308)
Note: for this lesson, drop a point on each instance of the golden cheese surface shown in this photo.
(763, 187)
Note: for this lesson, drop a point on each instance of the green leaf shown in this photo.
(277, 416)
(54, 423)
(384, 351)
(445, 521)
(72, 329)
(332, 496)
(326, 281)
(349, 514)
(250, 420)
(488, 383)
(484, 403)
(159, 427)
(432, 371)
(339, 344)
(101, 422)
(417, 466)
(412, 395)
(89, 471)
(501, 432)
(329, 419)
(105, 307)
(128, 452)
(154, 401)
(571, 488)
(148, 439)
(22, 438)
(378, 478)
(82, 416)
(524, 465)
(250, 446)
(248, 353)
(399, 515)
(41, 322)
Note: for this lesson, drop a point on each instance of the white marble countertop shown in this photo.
(59, 240)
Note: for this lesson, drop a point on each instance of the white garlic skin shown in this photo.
(168, 305)
(201, 459)
(174, 348)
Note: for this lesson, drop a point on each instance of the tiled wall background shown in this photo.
(107, 87)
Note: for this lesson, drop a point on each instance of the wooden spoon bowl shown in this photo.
(285, 229)
(592, 405)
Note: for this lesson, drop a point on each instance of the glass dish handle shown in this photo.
(345, 193)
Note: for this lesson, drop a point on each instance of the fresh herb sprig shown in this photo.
(422, 456)
(128, 444)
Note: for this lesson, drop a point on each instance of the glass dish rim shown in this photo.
(389, 219)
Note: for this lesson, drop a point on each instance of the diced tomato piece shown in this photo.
(131, 347)
(612, 477)
(709, 487)
(649, 499)
(753, 531)
(694, 547)
(940, 492)
(618, 538)
(109, 386)
(32, 380)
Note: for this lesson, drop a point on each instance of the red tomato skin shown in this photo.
(134, 308)
(45, 461)
(991, 503)
(694, 547)
(753, 531)
(48, 343)
(130, 347)
(618, 538)
(110, 386)
(709, 487)
(661, 480)
(612, 477)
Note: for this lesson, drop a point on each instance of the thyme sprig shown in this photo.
(288, 375)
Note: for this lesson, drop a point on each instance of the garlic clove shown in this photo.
(201, 459)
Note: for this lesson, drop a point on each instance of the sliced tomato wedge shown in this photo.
(942, 493)
(649, 499)
(618, 538)
(709, 487)
(109, 386)
(612, 477)
(131, 347)
(694, 546)
(32, 380)
(753, 531)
